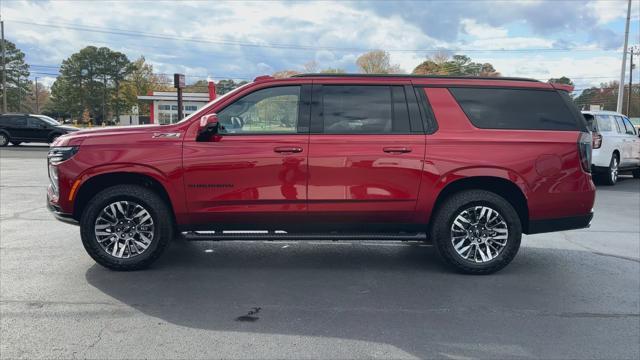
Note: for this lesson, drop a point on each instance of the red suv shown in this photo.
(467, 163)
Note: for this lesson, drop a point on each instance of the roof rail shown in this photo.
(417, 76)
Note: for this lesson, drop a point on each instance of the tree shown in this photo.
(17, 75)
(224, 86)
(139, 82)
(311, 67)
(332, 71)
(562, 80)
(42, 93)
(90, 79)
(377, 62)
(458, 65)
(606, 96)
(284, 74)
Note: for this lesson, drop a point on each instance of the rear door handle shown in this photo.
(397, 150)
(287, 149)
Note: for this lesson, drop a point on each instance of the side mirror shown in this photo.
(208, 127)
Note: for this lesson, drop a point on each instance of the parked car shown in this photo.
(468, 163)
(22, 128)
(616, 145)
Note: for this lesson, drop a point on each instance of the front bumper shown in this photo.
(561, 224)
(58, 214)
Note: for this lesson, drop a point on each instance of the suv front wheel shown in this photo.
(126, 227)
(477, 232)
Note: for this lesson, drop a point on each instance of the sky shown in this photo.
(540, 39)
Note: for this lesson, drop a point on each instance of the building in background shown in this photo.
(164, 105)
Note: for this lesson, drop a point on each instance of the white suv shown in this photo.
(616, 145)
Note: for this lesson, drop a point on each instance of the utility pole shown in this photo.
(37, 104)
(4, 72)
(624, 60)
(630, 82)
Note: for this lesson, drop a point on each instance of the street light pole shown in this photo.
(624, 60)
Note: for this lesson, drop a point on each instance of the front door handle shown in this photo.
(287, 149)
(397, 150)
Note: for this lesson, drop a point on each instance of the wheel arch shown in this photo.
(96, 183)
(505, 188)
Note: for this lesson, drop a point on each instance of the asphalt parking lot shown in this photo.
(574, 294)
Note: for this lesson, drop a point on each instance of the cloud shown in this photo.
(246, 39)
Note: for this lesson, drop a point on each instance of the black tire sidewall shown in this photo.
(441, 230)
(7, 139)
(156, 207)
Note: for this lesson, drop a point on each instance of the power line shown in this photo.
(129, 33)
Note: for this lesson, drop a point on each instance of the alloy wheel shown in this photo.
(3, 140)
(124, 229)
(479, 234)
(613, 170)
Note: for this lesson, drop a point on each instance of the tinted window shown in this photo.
(364, 109)
(272, 110)
(620, 125)
(17, 121)
(630, 129)
(35, 123)
(516, 109)
(604, 123)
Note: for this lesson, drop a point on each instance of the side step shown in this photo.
(281, 235)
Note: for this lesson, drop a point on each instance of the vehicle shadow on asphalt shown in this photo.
(398, 295)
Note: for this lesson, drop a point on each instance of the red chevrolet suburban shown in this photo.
(467, 163)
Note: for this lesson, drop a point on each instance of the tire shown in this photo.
(4, 139)
(158, 230)
(636, 174)
(16, 143)
(610, 177)
(487, 239)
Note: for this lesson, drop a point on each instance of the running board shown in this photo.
(281, 235)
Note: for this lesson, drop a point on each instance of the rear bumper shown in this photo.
(561, 224)
(59, 215)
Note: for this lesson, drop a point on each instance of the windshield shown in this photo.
(217, 99)
(48, 120)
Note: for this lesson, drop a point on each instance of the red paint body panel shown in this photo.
(352, 178)
(334, 178)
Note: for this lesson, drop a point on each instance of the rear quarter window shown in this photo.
(517, 109)
(605, 123)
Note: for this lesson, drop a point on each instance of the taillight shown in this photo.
(597, 140)
(585, 142)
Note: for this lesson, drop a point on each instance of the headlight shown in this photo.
(53, 178)
(59, 154)
(56, 156)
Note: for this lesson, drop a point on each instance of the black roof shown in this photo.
(417, 76)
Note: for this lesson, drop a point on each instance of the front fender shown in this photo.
(175, 193)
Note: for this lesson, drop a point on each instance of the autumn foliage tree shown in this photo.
(458, 65)
(377, 62)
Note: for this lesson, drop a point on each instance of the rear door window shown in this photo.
(522, 109)
(357, 109)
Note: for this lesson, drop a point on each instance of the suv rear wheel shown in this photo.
(611, 176)
(477, 232)
(126, 227)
